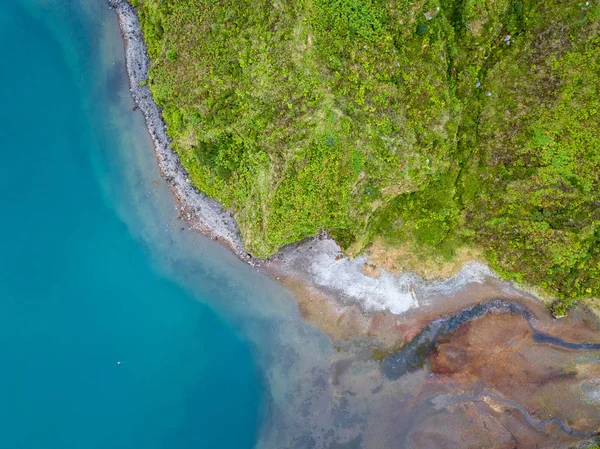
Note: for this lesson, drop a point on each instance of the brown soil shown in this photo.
(404, 258)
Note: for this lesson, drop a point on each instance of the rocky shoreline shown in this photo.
(317, 263)
(203, 214)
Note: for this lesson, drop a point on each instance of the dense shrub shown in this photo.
(472, 124)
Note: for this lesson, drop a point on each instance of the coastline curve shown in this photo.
(317, 261)
(203, 213)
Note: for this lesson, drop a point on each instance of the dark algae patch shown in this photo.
(430, 124)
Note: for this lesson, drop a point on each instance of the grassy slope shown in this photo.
(362, 117)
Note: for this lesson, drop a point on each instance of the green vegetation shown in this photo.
(171, 55)
(437, 123)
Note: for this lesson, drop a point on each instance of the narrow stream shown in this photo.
(530, 419)
(414, 355)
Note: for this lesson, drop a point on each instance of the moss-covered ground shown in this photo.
(435, 124)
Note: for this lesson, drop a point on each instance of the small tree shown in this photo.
(422, 29)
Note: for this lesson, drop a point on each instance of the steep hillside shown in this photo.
(432, 125)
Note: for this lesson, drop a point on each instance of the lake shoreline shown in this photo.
(349, 300)
(202, 213)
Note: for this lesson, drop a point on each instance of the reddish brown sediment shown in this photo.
(343, 320)
(497, 354)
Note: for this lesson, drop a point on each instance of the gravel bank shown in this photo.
(204, 214)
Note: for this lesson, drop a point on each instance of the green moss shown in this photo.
(363, 117)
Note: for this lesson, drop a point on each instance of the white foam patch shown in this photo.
(345, 276)
(320, 260)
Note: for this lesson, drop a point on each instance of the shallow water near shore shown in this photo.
(97, 269)
(101, 346)
(120, 327)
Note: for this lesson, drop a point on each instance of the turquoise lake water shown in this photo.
(121, 328)
(96, 268)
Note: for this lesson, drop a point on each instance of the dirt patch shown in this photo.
(404, 258)
(371, 269)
